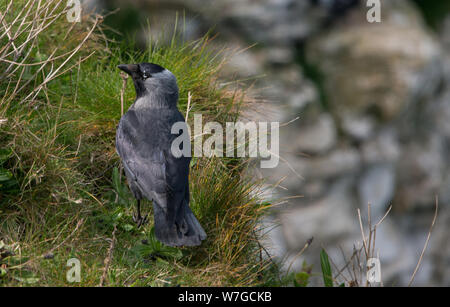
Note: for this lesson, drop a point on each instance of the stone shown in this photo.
(382, 148)
(422, 171)
(280, 55)
(439, 249)
(318, 136)
(339, 162)
(375, 68)
(327, 220)
(242, 63)
(299, 99)
(358, 127)
(440, 114)
(445, 32)
(377, 187)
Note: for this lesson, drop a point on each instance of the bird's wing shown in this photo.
(143, 141)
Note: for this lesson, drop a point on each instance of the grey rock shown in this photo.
(384, 147)
(299, 99)
(375, 68)
(440, 114)
(421, 170)
(327, 220)
(242, 63)
(377, 187)
(337, 163)
(445, 33)
(280, 55)
(358, 127)
(389, 244)
(318, 136)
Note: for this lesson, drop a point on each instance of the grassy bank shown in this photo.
(62, 195)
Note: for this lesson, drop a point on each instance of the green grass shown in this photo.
(61, 194)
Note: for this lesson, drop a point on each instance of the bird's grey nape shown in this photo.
(155, 86)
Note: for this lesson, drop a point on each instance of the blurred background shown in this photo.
(373, 108)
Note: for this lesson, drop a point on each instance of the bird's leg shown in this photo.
(137, 218)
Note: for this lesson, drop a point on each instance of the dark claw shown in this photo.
(139, 220)
(144, 220)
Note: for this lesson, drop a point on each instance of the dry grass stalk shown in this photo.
(124, 77)
(23, 37)
(108, 258)
(426, 243)
(355, 266)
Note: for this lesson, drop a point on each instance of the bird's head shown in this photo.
(151, 79)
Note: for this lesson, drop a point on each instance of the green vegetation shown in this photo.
(326, 269)
(61, 192)
(434, 11)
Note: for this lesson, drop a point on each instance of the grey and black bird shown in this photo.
(143, 142)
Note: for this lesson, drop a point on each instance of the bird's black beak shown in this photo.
(130, 69)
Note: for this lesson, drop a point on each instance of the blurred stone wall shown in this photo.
(373, 102)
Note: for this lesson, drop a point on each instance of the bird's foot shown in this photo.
(139, 220)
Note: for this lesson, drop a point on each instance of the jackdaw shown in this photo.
(143, 142)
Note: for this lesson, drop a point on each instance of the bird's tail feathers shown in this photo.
(186, 231)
